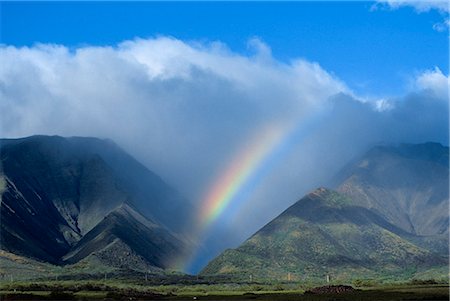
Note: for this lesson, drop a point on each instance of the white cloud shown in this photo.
(383, 104)
(160, 88)
(442, 26)
(186, 109)
(435, 82)
(419, 5)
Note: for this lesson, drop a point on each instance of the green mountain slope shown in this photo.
(325, 234)
(388, 218)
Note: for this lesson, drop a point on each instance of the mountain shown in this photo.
(125, 231)
(407, 185)
(369, 228)
(324, 233)
(64, 199)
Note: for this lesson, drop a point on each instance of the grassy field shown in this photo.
(113, 290)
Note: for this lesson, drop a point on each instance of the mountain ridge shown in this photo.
(145, 238)
(341, 234)
(391, 181)
(56, 190)
(75, 201)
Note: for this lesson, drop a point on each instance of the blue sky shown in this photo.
(375, 52)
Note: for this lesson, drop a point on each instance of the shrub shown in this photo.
(257, 288)
(59, 295)
(365, 282)
(278, 287)
(423, 281)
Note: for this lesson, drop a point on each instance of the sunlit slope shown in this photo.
(325, 234)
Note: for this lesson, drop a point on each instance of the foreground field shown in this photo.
(71, 290)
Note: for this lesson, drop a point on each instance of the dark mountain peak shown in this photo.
(54, 151)
(29, 139)
(55, 142)
(56, 190)
(125, 210)
(152, 242)
(51, 159)
(53, 139)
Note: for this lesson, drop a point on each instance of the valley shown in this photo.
(83, 219)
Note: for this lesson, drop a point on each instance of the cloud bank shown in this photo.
(185, 109)
(421, 6)
(166, 100)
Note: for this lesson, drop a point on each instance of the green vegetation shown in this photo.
(81, 290)
(358, 237)
(325, 235)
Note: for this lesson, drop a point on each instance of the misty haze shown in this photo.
(149, 152)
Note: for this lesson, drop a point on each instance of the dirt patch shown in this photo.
(331, 289)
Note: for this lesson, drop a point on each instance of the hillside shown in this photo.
(58, 192)
(359, 231)
(408, 185)
(127, 240)
(325, 234)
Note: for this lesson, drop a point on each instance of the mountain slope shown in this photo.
(388, 218)
(126, 230)
(408, 185)
(56, 190)
(325, 233)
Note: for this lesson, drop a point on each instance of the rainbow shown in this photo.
(248, 168)
(233, 181)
